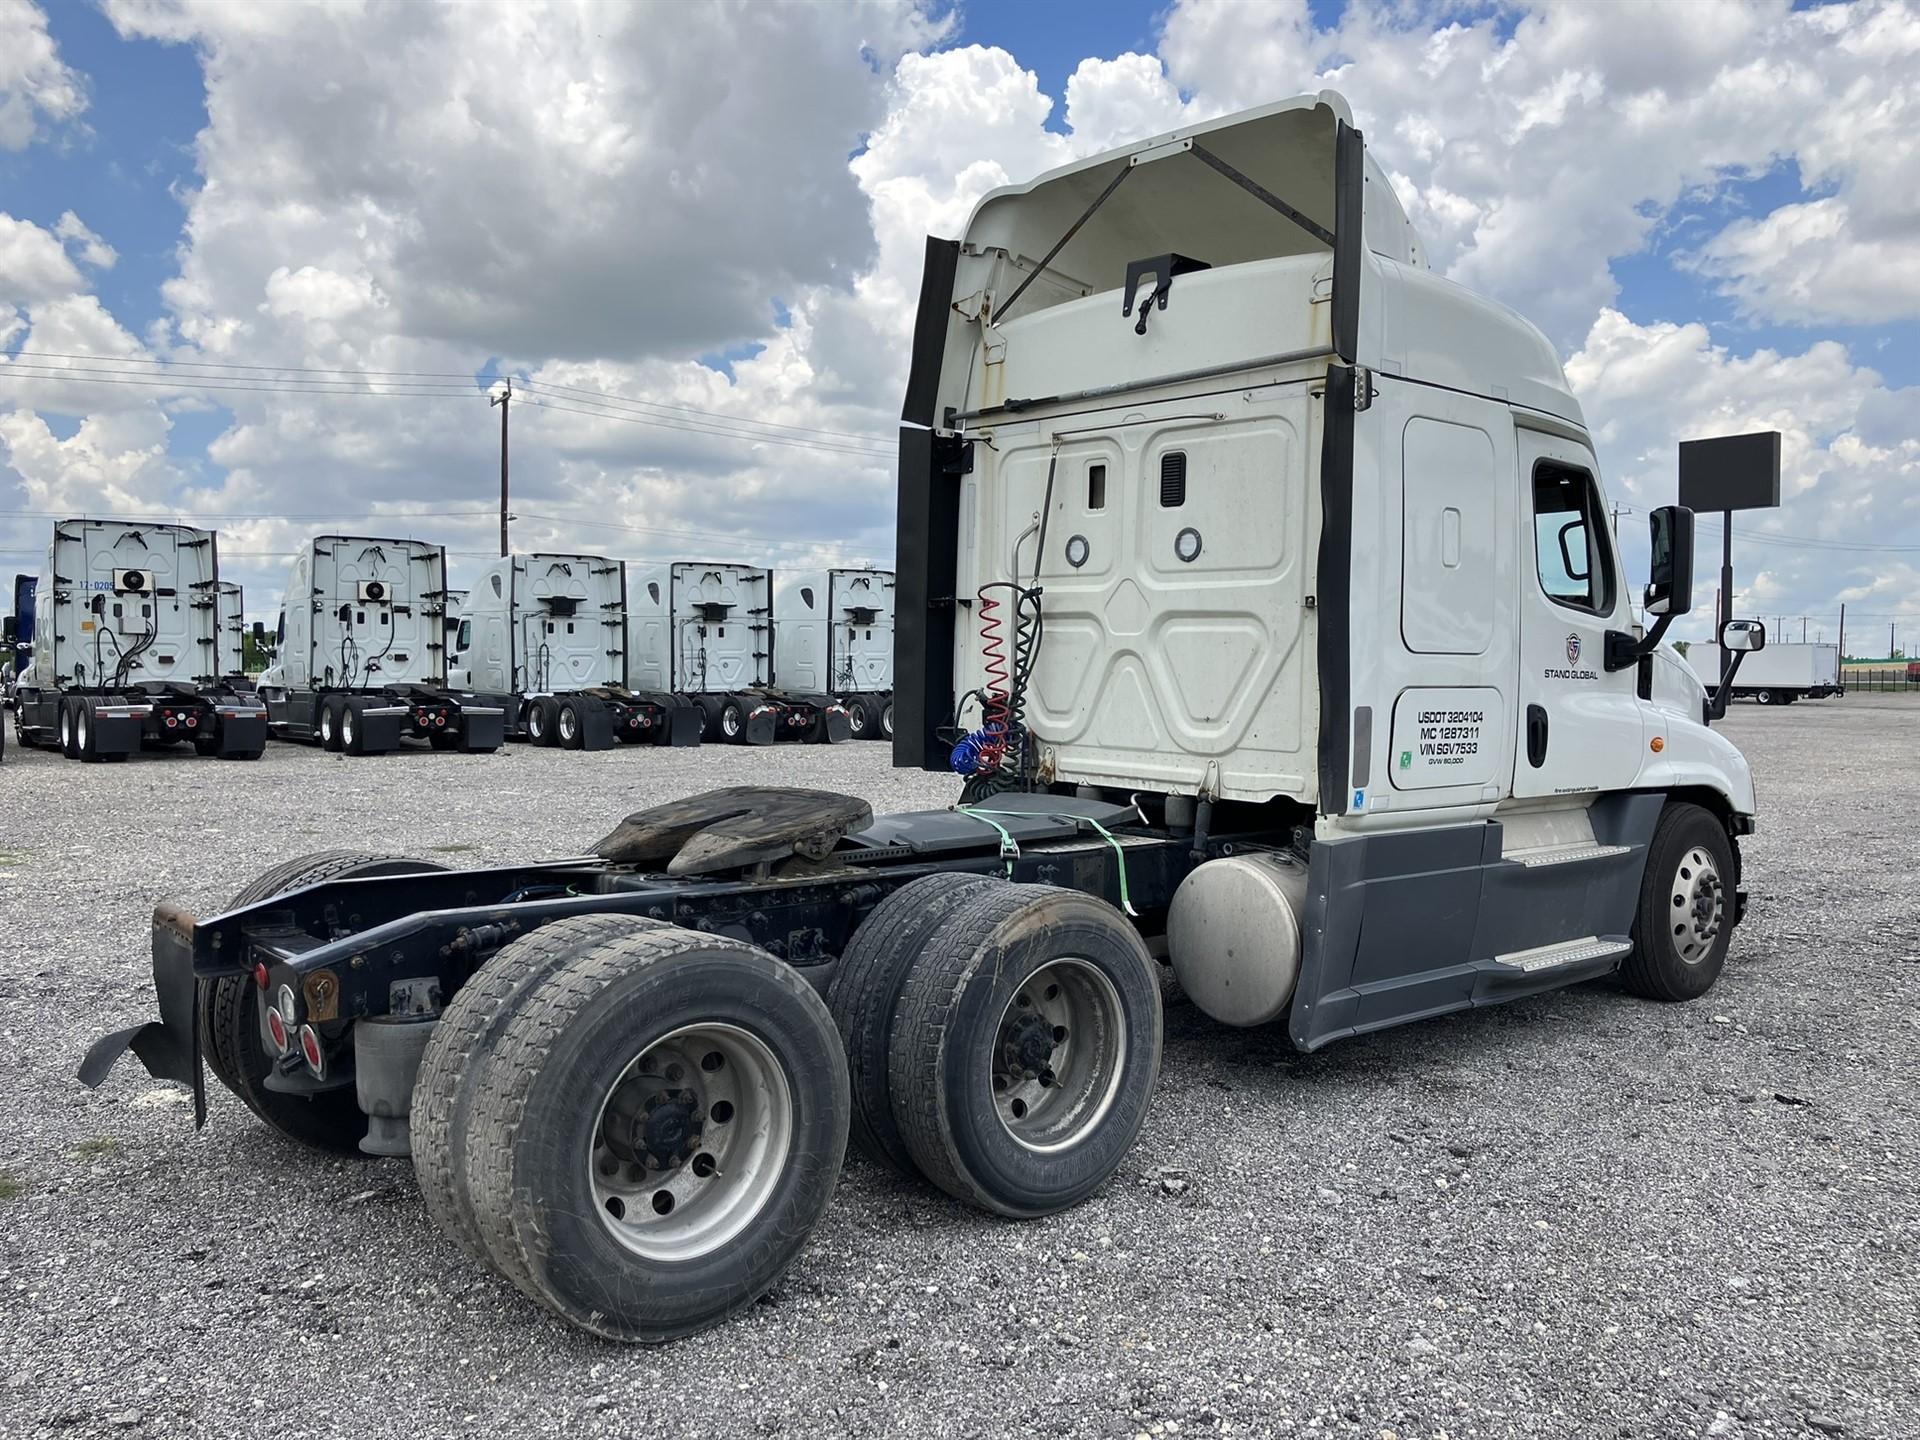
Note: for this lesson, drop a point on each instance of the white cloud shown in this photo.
(1813, 263)
(36, 86)
(93, 250)
(33, 264)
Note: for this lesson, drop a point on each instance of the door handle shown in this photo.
(1536, 735)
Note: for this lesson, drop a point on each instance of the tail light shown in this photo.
(192, 720)
(311, 1052)
(277, 1031)
(442, 720)
(260, 974)
(169, 718)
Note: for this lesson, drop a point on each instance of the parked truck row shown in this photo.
(373, 648)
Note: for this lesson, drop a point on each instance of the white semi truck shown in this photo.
(361, 652)
(1783, 674)
(833, 635)
(704, 630)
(125, 647)
(550, 631)
(1270, 613)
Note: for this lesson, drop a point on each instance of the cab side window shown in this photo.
(1571, 552)
(463, 638)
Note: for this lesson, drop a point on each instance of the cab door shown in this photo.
(1580, 726)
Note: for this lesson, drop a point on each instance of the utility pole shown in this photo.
(1803, 629)
(504, 400)
(1843, 629)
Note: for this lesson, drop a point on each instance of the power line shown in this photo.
(874, 453)
(607, 397)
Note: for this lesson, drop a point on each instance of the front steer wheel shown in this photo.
(230, 1015)
(1025, 1049)
(655, 1132)
(1687, 898)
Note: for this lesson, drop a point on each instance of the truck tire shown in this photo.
(1025, 1049)
(463, 1039)
(865, 993)
(886, 719)
(353, 735)
(1765, 697)
(230, 1025)
(329, 723)
(657, 1130)
(86, 738)
(1685, 921)
(69, 723)
(540, 722)
(733, 720)
(859, 717)
(567, 728)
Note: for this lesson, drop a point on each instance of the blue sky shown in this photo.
(314, 205)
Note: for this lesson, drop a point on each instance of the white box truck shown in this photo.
(833, 635)
(125, 647)
(361, 652)
(1294, 570)
(550, 630)
(704, 630)
(1780, 675)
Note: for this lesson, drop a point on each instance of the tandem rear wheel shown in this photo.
(637, 1125)
(1021, 1030)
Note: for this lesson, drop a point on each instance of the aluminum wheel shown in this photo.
(326, 723)
(732, 722)
(82, 727)
(691, 1142)
(1058, 1054)
(568, 725)
(857, 718)
(1699, 905)
(536, 723)
(347, 726)
(66, 729)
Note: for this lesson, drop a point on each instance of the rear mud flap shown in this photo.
(379, 725)
(762, 727)
(170, 1046)
(836, 726)
(243, 734)
(117, 734)
(685, 724)
(483, 729)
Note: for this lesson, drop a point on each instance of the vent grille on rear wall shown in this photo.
(1173, 479)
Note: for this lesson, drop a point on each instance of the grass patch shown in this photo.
(11, 1186)
(14, 857)
(97, 1147)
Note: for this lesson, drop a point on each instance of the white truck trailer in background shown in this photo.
(705, 631)
(362, 652)
(833, 634)
(551, 632)
(1777, 675)
(125, 650)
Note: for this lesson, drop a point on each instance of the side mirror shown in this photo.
(1743, 635)
(1670, 580)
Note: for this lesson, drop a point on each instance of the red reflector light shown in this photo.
(311, 1053)
(192, 720)
(171, 719)
(443, 718)
(260, 974)
(277, 1031)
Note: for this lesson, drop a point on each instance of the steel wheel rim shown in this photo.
(536, 723)
(1058, 1055)
(717, 1153)
(1699, 905)
(569, 725)
(857, 718)
(730, 721)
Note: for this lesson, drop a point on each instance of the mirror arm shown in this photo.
(1623, 651)
(1717, 702)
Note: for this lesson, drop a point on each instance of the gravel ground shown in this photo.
(1576, 1215)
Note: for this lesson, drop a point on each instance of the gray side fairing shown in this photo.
(1401, 926)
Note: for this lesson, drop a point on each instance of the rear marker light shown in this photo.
(310, 1051)
(260, 974)
(277, 1032)
(171, 719)
(284, 1003)
(192, 720)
